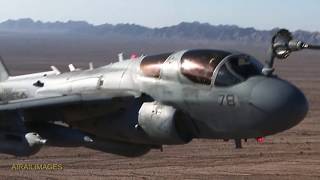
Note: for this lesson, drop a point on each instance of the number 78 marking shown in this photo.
(227, 100)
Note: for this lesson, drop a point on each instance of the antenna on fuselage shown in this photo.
(73, 68)
(90, 66)
(120, 57)
(56, 70)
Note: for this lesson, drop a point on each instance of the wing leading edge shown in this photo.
(55, 101)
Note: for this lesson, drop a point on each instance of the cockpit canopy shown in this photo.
(199, 67)
(151, 65)
(207, 67)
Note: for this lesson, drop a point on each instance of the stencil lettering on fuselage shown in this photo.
(7, 94)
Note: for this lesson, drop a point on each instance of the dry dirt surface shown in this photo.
(294, 154)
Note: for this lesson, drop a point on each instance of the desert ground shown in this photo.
(294, 154)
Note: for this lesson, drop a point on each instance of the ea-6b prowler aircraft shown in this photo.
(135, 105)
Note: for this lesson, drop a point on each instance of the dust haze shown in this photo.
(294, 154)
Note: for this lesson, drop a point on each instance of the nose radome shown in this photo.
(283, 103)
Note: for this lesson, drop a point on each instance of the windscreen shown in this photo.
(237, 69)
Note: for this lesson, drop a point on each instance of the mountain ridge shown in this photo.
(183, 30)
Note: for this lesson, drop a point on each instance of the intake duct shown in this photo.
(164, 124)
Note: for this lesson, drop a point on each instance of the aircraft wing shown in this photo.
(29, 103)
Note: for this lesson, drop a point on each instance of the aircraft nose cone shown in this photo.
(283, 104)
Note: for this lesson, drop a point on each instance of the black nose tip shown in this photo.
(283, 103)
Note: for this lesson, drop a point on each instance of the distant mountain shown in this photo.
(184, 30)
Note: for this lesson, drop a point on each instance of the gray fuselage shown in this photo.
(248, 107)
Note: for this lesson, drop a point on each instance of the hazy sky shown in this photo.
(292, 14)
